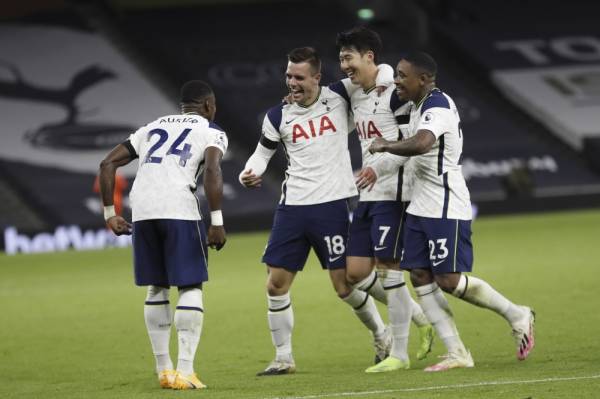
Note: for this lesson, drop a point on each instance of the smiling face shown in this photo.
(302, 81)
(410, 82)
(358, 67)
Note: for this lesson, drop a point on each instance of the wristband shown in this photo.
(109, 211)
(216, 218)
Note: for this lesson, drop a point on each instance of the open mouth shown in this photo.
(297, 93)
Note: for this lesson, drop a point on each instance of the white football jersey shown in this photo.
(440, 190)
(315, 140)
(171, 157)
(382, 116)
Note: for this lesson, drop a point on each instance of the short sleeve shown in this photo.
(435, 120)
(435, 115)
(344, 88)
(137, 138)
(217, 138)
(269, 131)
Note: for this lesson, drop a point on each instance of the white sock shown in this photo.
(372, 284)
(435, 306)
(281, 323)
(418, 317)
(399, 310)
(480, 293)
(365, 309)
(157, 314)
(189, 315)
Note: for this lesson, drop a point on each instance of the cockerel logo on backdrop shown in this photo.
(64, 105)
(70, 132)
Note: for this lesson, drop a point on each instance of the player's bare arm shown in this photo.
(118, 157)
(213, 188)
(419, 144)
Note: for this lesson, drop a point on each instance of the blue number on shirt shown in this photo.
(184, 153)
(163, 137)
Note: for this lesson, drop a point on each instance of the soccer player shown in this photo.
(437, 240)
(313, 209)
(169, 238)
(376, 229)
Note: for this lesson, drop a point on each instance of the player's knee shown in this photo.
(447, 282)
(157, 293)
(342, 290)
(388, 263)
(420, 277)
(355, 276)
(276, 287)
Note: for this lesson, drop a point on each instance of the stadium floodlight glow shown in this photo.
(365, 13)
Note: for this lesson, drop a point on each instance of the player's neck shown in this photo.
(311, 99)
(424, 93)
(370, 77)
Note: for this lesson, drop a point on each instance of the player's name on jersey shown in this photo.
(184, 119)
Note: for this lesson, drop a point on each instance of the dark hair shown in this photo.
(361, 39)
(306, 54)
(194, 91)
(423, 61)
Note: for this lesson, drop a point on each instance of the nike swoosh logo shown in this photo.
(290, 121)
(438, 262)
(378, 248)
(334, 259)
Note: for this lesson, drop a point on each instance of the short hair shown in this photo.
(423, 61)
(362, 39)
(195, 91)
(306, 54)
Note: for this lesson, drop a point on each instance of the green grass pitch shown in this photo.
(71, 324)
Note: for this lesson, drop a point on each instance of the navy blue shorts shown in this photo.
(377, 229)
(442, 245)
(298, 228)
(169, 252)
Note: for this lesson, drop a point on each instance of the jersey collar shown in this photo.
(426, 96)
(309, 105)
(370, 89)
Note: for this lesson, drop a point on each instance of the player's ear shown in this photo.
(317, 77)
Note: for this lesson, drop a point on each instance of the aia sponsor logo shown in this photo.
(303, 133)
(367, 130)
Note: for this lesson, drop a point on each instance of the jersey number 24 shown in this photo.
(183, 153)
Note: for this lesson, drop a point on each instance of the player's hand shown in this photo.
(288, 99)
(216, 237)
(119, 226)
(366, 178)
(378, 145)
(250, 180)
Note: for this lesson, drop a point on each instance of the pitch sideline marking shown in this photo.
(440, 387)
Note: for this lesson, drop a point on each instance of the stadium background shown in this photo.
(76, 77)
